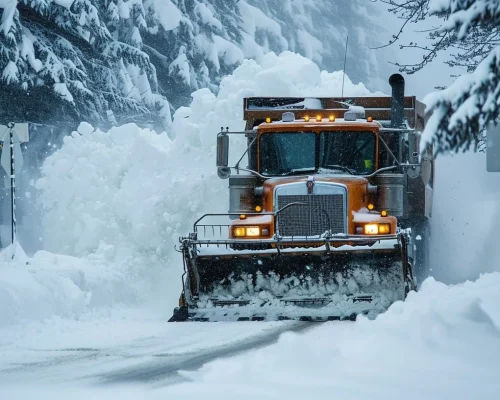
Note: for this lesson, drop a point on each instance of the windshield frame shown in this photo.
(317, 131)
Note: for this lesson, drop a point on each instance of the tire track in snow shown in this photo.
(166, 370)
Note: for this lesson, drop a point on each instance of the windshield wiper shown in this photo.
(299, 171)
(341, 167)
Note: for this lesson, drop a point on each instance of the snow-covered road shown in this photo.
(125, 347)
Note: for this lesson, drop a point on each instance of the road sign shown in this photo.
(5, 159)
(22, 131)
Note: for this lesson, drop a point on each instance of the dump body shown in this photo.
(322, 224)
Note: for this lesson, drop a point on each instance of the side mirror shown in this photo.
(223, 156)
(222, 150)
(493, 147)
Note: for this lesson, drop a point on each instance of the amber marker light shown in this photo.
(243, 216)
(239, 231)
(268, 120)
(371, 207)
(318, 118)
(384, 229)
(383, 213)
(369, 119)
(332, 118)
(258, 208)
(306, 118)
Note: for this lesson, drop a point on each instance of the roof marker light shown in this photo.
(268, 120)
(318, 118)
(332, 118)
(370, 119)
(306, 118)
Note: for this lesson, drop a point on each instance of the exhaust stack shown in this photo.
(397, 83)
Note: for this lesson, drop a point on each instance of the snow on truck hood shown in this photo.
(322, 175)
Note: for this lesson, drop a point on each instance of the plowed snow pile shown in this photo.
(115, 203)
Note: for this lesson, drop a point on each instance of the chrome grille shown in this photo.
(320, 213)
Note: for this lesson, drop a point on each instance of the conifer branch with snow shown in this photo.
(459, 113)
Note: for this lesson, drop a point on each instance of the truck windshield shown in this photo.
(287, 153)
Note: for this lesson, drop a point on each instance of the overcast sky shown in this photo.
(424, 81)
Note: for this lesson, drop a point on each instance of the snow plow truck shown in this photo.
(329, 219)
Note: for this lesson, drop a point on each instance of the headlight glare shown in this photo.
(253, 231)
(371, 229)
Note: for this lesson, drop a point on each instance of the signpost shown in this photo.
(12, 162)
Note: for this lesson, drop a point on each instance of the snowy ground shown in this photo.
(443, 342)
(92, 306)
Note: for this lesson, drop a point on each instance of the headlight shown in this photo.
(374, 229)
(253, 231)
(377, 229)
(371, 229)
(250, 231)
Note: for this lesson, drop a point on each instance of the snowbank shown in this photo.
(466, 215)
(50, 285)
(443, 342)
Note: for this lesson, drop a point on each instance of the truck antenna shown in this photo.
(345, 60)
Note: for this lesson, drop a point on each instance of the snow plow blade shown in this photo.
(333, 282)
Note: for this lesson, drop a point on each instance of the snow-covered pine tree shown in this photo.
(61, 64)
(471, 27)
(107, 61)
(195, 42)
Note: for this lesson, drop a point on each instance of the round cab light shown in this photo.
(243, 216)
(318, 118)
(268, 120)
(371, 207)
(306, 118)
(369, 119)
(332, 118)
(258, 208)
(383, 213)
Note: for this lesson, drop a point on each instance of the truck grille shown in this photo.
(314, 217)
